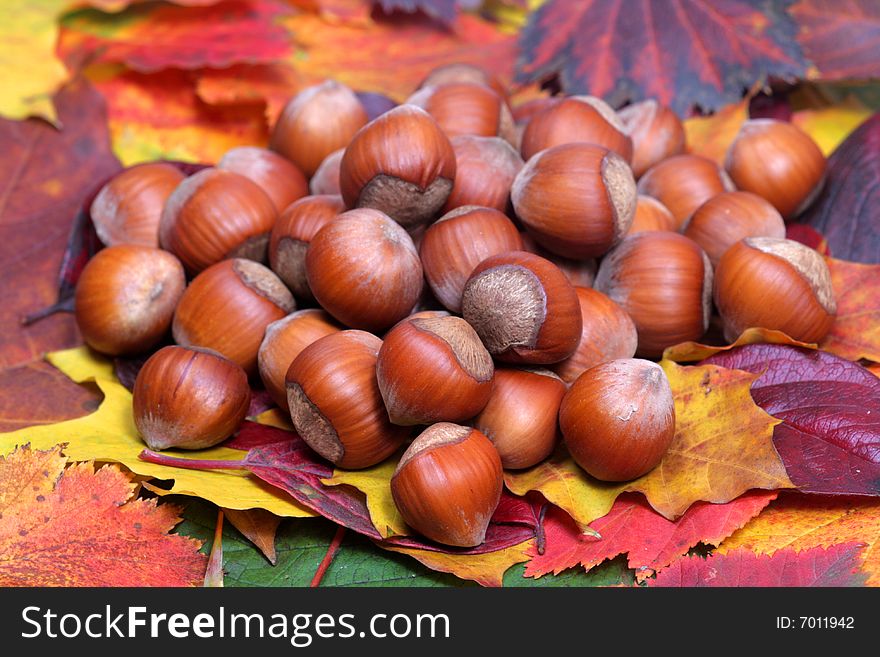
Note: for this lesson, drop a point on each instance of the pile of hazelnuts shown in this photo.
(478, 277)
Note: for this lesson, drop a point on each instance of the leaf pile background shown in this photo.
(94, 85)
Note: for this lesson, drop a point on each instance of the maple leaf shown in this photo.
(847, 211)
(829, 439)
(682, 52)
(109, 434)
(633, 528)
(711, 136)
(722, 448)
(840, 38)
(802, 522)
(687, 352)
(80, 527)
(855, 333)
(836, 566)
(258, 526)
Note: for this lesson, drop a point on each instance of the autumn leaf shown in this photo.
(711, 136)
(486, 569)
(848, 209)
(258, 526)
(681, 52)
(383, 59)
(722, 448)
(45, 175)
(266, 85)
(109, 435)
(801, 522)
(284, 460)
(855, 333)
(631, 527)
(686, 352)
(214, 571)
(830, 126)
(841, 39)
(375, 484)
(160, 117)
(81, 527)
(833, 567)
(830, 407)
(157, 36)
(808, 236)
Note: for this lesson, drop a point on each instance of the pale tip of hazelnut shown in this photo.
(437, 435)
(464, 343)
(605, 111)
(264, 282)
(806, 261)
(621, 188)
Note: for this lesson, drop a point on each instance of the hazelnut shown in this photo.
(656, 132)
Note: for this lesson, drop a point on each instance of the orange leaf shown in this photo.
(687, 352)
(802, 522)
(258, 526)
(80, 527)
(711, 136)
(159, 116)
(855, 333)
(269, 85)
(393, 56)
(486, 569)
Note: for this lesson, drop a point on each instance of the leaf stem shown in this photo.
(150, 456)
(335, 544)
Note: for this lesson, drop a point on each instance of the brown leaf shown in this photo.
(258, 526)
(80, 527)
(841, 39)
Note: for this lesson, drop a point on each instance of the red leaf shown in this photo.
(441, 10)
(829, 439)
(842, 38)
(808, 236)
(633, 527)
(847, 211)
(682, 52)
(282, 459)
(45, 174)
(158, 36)
(834, 566)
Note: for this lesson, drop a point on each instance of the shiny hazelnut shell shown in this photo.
(458, 242)
(462, 72)
(326, 179)
(683, 183)
(189, 398)
(400, 163)
(466, 108)
(663, 280)
(228, 307)
(485, 169)
(520, 417)
(580, 272)
(656, 132)
(448, 484)
(335, 403)
(280, 178)
(314, 123)
(777, 161)
(433, 370)
(523, 308)
(129, 206)
(284, 340)
(216, 214)
(576, 119)
(618, 419)
(125, 298)
(363, 269)
(651, 214)
(775, 284)
(577, 200)
(291, 235)
(726, 218)
(608, 333)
